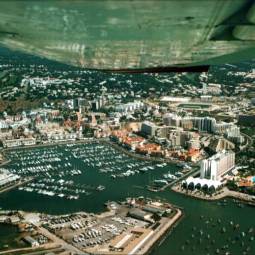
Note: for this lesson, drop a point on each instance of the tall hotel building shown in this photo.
(214, 167)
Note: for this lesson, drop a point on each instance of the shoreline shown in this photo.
(168, 231)
(91, 140)
(100, 140)
(173, 186)
(140, 156)
(164, 231)
(50, 144)
(244, 198)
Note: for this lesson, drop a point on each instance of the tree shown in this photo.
(123, 118)
(232, 185)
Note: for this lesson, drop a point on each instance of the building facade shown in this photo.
(149, 128)
(213, 168)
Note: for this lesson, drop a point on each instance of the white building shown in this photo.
(169, 99)
(129, 107)
(213, 168)
(233, 133)
(6, 177)
(8, 143)
(203, 124)
(3, 124)
(211, 171)
(202, 183)
(221, 128)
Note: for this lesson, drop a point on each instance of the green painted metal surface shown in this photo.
(119, 34)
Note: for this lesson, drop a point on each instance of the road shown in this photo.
(57, 240)
(45, 247)
(248, 144)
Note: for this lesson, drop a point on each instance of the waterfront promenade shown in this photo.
(193, 172)
(91, 140)
(159, 233)
(139, 156)
(41, 250)
(224, 193)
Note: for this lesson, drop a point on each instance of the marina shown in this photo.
(57, 170)
(77, 177)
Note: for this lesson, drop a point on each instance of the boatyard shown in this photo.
(132, 226)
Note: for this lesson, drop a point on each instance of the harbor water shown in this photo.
(71, 178)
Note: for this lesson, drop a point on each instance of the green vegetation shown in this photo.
(247, 190)
(250, 131)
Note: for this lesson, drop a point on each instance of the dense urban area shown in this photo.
(204, 123)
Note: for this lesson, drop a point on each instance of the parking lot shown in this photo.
(87, 230)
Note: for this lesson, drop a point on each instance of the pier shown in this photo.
(193, 172)
(21, 182)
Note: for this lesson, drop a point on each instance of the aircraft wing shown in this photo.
(131, 35)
